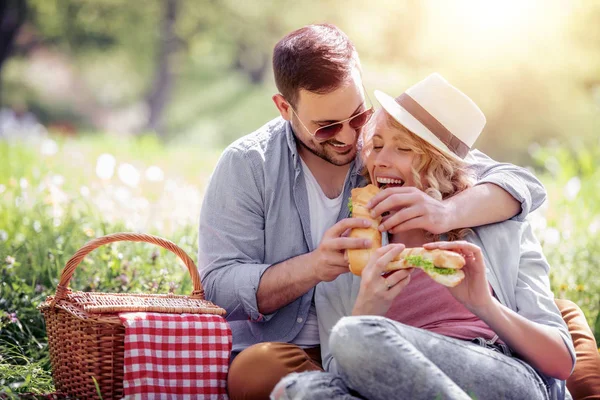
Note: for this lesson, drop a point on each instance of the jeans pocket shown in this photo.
(497, 347)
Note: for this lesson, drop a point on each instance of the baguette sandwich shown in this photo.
(442, 266)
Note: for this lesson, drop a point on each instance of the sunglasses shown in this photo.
(328, 131)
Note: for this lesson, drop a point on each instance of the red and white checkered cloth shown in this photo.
(175, 356)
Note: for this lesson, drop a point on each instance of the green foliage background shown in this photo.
(532, 66)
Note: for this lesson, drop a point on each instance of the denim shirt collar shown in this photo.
(354, 179)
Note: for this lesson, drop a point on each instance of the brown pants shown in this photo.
(255, 371)
(584, 382)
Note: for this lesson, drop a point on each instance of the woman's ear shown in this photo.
(283, 106)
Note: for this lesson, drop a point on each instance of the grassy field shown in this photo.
(56, 194)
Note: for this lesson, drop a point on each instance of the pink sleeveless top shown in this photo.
(428, 305)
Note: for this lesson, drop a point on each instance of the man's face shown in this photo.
(317, 110)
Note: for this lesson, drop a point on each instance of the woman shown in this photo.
(498, 334)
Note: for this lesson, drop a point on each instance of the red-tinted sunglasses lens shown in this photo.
(329, 131)
(358, 121)
(361, 119)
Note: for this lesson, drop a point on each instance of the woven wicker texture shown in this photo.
(85, 335)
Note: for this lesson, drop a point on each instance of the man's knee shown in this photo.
(255, 371)
(251, 374)
(350, 331)
(294, 386)
(313, 385)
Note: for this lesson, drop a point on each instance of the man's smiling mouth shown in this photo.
(341, 148)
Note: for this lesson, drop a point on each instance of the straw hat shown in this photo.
(439, 113)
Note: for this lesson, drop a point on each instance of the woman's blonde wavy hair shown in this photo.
(438, 175)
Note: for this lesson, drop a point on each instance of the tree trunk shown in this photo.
(12, 16)
(163, 80)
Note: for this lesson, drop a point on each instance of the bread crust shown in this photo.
(358, 258)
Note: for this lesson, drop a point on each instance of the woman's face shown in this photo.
(390, 160)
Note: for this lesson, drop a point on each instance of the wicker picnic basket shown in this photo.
(85, 334)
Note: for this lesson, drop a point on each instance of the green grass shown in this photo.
(20, 374)
(568, 225)
(52, 202)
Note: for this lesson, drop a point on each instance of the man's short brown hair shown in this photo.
(317, 58)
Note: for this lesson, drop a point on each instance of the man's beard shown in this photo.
(319, 151)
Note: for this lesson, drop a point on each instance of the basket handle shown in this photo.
(63, 286)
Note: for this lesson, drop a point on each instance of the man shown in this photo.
(274, 215)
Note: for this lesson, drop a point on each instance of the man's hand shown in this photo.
(410, 208)
(328, 259)
(377, 291)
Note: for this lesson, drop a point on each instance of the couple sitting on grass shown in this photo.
(273, 241)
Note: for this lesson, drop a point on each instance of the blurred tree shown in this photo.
(12, 16)
(202, 68)
(585, 28)
(161, 88)
(156, 42)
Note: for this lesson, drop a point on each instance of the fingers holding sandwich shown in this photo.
(378, 288)
(380, 259)
(474, 290)
(409, 208)
(329, 260)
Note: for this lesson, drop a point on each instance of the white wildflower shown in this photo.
(551, 236)
(155, 174)
(20, 238)
(572, 188)
(49, 147)
(105, 166)
(123, 195)
(58, 180)
(129, 175)
(594, 226)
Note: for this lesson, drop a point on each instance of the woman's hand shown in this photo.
(410, 208)
(474, 291)
(377, 291)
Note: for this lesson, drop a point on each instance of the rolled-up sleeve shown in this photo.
(516, 181)
(231, 243)
(534, 298)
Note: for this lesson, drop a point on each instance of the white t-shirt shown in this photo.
(323, 215)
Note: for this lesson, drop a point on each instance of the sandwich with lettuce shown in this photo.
(443, 266)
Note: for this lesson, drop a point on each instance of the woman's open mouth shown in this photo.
(383, 183)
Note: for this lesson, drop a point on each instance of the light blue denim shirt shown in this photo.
(255, 214)
(516, 269)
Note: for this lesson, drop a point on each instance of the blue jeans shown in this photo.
(378, 358)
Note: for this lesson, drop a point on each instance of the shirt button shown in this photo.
(299, 320)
